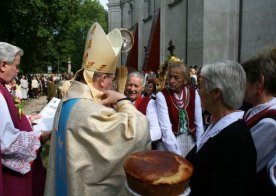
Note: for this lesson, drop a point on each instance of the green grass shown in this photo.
(45, 153)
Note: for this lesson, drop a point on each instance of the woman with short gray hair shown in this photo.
(223, 76)
(227, 138)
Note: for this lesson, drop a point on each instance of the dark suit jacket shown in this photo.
(225, 164)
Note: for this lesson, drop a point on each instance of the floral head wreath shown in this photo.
(174, 60)
(170, 61)
(164, 68)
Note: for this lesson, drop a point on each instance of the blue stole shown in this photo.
(61, 164)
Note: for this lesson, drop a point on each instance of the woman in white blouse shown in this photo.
(24, 87)
(35, 86)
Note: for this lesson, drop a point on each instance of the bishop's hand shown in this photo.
(111, 97)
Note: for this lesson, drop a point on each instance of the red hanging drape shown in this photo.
(152, 57)
(132, 58)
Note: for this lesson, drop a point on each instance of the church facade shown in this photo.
(202, 31)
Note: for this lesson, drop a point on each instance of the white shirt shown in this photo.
(151, 113)
(24, 83)
(168, 138)
(8, 133)
(35, 83)
(264, 134)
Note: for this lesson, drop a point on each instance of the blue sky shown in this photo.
(104, 2)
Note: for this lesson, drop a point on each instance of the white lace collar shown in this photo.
(214, 129)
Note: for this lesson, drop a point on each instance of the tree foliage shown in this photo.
(49, 31)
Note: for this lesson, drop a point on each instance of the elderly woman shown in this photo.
(179, 111)
(224, 157)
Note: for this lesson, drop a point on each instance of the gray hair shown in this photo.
(8, 52)
(138, 75)
(183, 66)
(229, 77)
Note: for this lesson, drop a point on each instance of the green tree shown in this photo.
(49, 31)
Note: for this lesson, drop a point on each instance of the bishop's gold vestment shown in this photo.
(98, 140)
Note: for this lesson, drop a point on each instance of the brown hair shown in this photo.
(263, 64)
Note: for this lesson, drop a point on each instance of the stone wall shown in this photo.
(203, 31)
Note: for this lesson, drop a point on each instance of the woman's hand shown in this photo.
(34, 117)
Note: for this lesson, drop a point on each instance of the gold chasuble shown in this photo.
(97, 142)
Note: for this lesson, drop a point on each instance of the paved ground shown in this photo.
(34, 106)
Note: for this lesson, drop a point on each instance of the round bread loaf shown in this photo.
(157, 173)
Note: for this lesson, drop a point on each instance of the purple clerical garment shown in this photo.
(14, 183)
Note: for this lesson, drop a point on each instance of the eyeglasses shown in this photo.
(111, 76)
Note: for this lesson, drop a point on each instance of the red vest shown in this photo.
(173, 110)
(142, 104)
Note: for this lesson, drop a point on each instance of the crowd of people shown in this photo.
(36, 85)
(198, 113)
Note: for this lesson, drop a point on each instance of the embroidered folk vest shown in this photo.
(189, 109)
